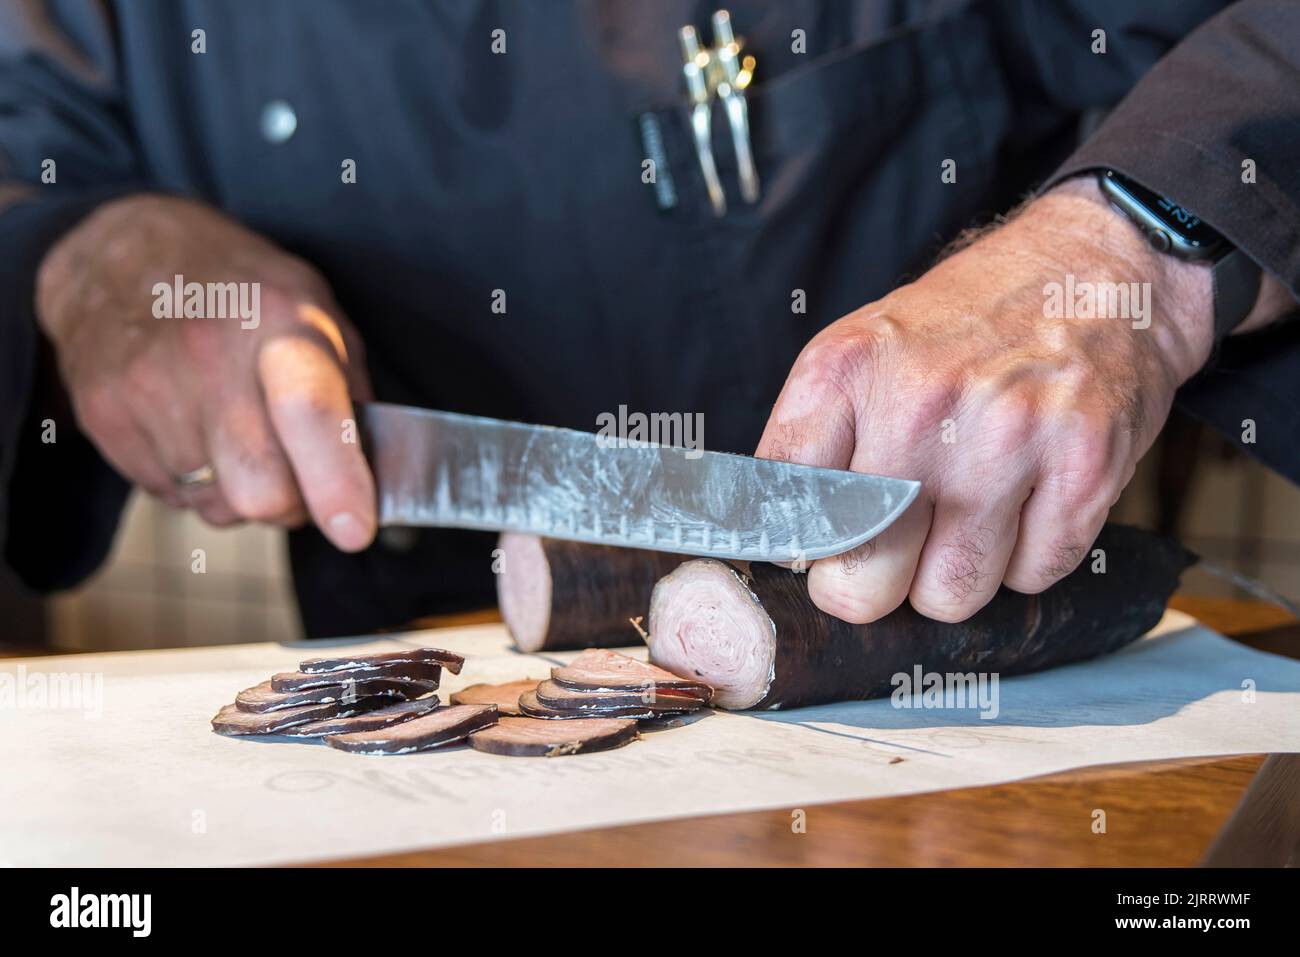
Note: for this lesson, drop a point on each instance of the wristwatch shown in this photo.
(1176, 230)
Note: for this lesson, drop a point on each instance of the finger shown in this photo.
(217, 512)
(307, 398)
(813, 420)
(171, 421)
(251, 467)
(343, 341)
(966, 553)
(1067, 510)
(123, 443)
(354, 366)
(870, 581)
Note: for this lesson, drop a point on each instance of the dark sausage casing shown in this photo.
(558, 595)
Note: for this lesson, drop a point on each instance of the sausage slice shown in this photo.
(504, 696)
(440, 727)
(263, 698)
(527, 737)
(598, 669)
(368, 721)
(298, 680)
(449, 660)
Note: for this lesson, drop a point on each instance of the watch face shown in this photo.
(1187, 233)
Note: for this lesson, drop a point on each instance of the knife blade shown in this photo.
(461, 471)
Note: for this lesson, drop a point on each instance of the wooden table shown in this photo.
(1157, 813)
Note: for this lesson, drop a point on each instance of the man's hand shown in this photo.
(1022, 421)
(267, 407)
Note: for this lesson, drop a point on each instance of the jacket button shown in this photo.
(279, 121)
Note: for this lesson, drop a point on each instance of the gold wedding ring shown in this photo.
(203, 475)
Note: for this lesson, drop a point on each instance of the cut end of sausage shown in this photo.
(706, 623)
(524, 589)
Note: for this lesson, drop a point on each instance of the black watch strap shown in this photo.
(1235, 279)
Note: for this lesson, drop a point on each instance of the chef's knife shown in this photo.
(463, 471)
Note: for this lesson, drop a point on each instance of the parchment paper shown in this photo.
(148, 783)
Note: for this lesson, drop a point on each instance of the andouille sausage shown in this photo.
(760, 642)
(558, 595)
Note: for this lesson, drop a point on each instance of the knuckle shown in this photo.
(96, 406)
(1063, 556)
(960, 575)
(844, 357)
(1058, 559)
(146, 380)
(1086, 464)
(1011, 421)
(926, 408)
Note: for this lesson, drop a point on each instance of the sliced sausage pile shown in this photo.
(385, 704)
(358, 703)
(593, 704)
(605, 684)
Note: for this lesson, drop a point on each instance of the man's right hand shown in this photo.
(267, 406)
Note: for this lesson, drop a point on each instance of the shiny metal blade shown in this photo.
(461, 471)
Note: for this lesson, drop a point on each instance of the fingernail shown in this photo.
(348, 532)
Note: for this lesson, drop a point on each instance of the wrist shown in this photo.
(1094, 236)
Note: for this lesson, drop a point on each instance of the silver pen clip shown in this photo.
(696, 69)
(734, 74)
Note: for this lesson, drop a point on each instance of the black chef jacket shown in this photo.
(521, 171)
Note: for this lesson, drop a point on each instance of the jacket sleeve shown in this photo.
(1215, 125)
(65, 147)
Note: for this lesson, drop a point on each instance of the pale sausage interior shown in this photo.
(705, 623)
(524, 589)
